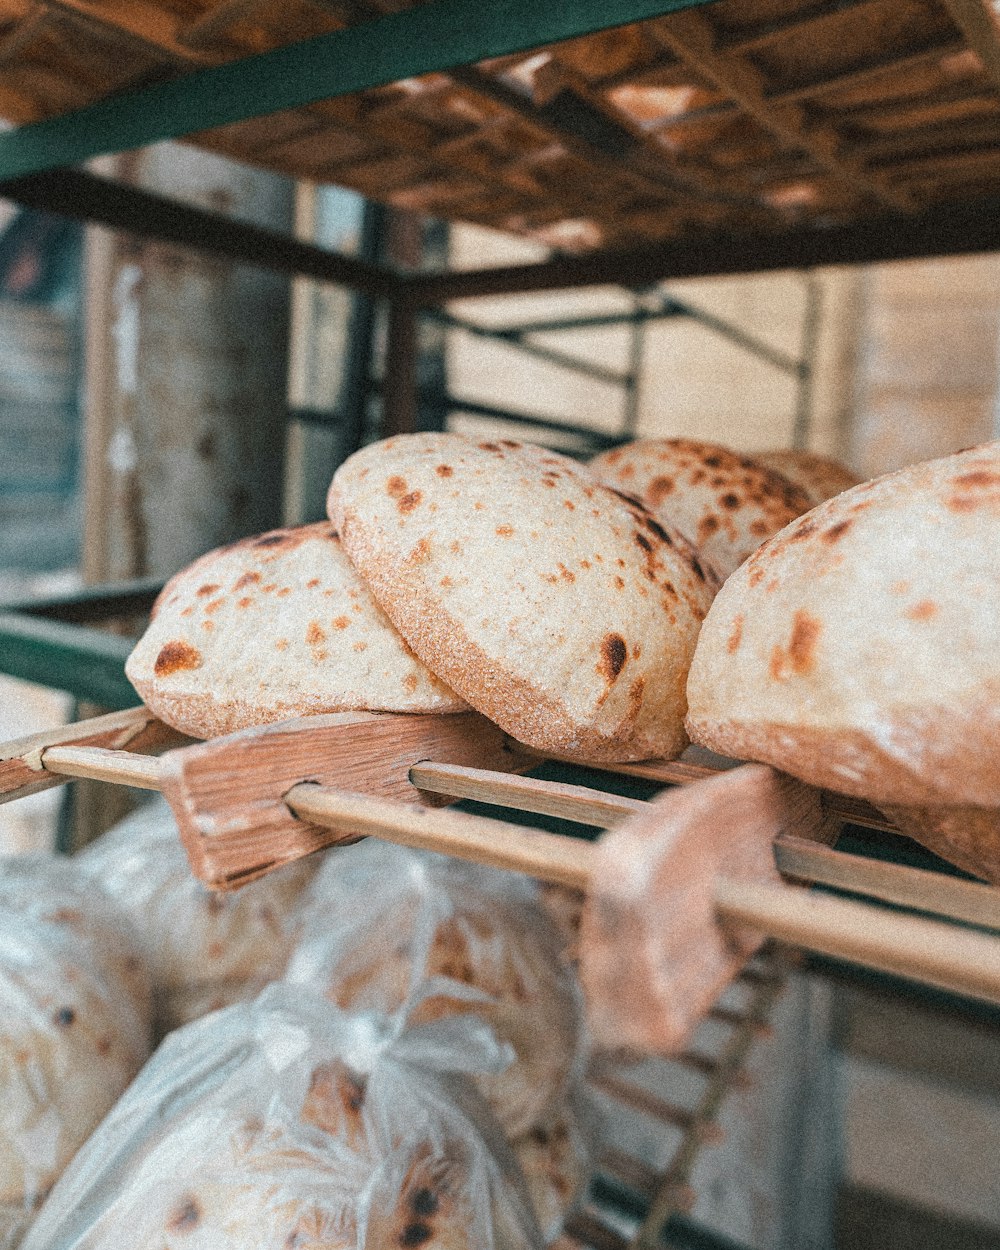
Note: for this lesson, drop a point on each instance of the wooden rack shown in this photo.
(250, 801)
(741, 118)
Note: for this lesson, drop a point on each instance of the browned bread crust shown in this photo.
(723, 503)
(558, 608)
(859, 648)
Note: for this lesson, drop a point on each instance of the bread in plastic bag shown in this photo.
(392, 929)
(75, 1015)
(556, 1159)
(285, 1123)
(205, 950)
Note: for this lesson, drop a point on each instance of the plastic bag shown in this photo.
(397, 930)
(75, 1015)
(205, 950)
(286, 1123)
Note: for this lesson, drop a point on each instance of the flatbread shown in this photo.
(858, 649)
(74, 1023)
(724, 504)
(270, 628)
(203, 949)
(562, 611)
(821, 477)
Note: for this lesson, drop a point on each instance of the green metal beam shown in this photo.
(431, 37)
(85, 662)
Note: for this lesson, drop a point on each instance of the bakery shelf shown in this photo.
(654, 141)
(641, 139)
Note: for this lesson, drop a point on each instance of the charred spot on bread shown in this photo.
(176, 657)
(185, 1217)
(806, 630)
(614, 653)
(416, 1233)
(836, 532)
(424, 1201)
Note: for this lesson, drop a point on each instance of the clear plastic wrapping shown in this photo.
(395, 930)
(205, 950)
(75, 1015)
(286, 1123)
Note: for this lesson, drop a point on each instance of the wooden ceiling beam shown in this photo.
(980, 32)
(691, 37)
(765, 33)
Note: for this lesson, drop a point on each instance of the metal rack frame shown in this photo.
(54, 641)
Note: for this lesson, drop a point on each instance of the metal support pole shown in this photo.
(807, 362)
(399, 392)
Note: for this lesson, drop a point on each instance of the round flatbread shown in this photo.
(203, 949)
(74, 1023)
(391, 929)
(724, 504)
(562, 611)
(270, 628)
(821, 477)
(858, 649)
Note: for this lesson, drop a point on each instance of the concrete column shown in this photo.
(186, 362)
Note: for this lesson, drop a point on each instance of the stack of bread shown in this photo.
(204, 950)
(458, 573)
(74, 1024)
(286, 1123)
(433, 939)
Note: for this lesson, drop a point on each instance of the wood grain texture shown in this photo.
(477, 839)
(22, 771)
(227, 793)
(951, 897)
(581, 804)
(121, 768)
(910, 946)
(653, 956)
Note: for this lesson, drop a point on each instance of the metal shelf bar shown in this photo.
(85, 662)
(431, 37)
(100, 201)
(942, 230)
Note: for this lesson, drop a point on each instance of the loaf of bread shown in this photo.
(284, 1123)
(395, 930)
(75, 1014)
(203, 949)
(724, 504)
(858, 650)
(560, 610)
(270, 628)
(821, 477)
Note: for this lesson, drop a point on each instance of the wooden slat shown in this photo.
(548, 798)
(227, 794)
(690, 36)
(499, 844)
(745, 39)
(22, 771)
(909, 946)
(870, 70)
(638, 1099)
(121, 768)
(933, 892)
(980, 31)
